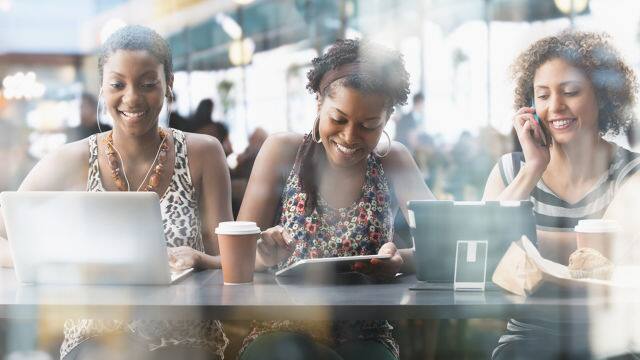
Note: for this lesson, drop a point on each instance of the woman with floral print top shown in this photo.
(332, 193)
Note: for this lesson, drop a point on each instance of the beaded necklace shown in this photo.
(115, 159)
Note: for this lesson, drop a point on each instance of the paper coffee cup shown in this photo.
(237, 241)
(597, 234)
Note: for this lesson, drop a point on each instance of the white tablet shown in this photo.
(319, 268)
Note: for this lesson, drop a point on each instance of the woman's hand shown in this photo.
(536, 155)
(276, 244)
(184, 257)
(386, 269)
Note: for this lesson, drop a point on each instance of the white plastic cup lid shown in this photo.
(237, 228)
(597, 226)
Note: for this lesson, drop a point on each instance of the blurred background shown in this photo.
(247, 59)
(250, 59)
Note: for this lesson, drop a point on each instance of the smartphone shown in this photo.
(546, 137)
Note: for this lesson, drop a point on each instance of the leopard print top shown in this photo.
(181, 220)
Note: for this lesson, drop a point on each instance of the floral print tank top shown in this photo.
(360, 229)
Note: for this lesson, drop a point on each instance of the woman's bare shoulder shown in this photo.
(281, 148)
(202, 145)
(398, 158)
(285, 142)
(69, 157)
(206, 156)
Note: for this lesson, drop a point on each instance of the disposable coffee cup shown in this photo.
(597, 234)
(237, 241)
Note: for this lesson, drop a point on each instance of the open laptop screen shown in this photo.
(113, 238)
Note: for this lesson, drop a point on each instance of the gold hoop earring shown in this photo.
(388, 147)
(315, 136)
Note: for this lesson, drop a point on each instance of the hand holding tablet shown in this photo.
(327, 268)
(387, 269)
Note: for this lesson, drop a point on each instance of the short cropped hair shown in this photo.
(135, 37)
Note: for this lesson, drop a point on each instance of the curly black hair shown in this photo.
(613, 80)
(381, 71)
(136, 37)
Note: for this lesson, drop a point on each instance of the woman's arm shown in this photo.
(537, 158)
(519, 189)
(64, 169)
(408, 184)
(208, 160)
(262, 196)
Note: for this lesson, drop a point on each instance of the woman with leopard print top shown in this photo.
(188, 171)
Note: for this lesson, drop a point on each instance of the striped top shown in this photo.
(554, 214)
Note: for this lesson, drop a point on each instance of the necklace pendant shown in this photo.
(154, 180)
(113, 158)
(113, 161)
(119, 184)
(162, 157)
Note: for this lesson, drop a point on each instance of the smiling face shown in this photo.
(565, 99)
(351, 123)
(134, 87)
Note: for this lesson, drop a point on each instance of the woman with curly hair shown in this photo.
(580, 89)
(333, 192)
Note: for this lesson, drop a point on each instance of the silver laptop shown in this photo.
(77, 238)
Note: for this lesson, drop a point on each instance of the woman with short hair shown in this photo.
(187, 171)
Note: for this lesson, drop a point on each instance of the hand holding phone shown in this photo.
(546, 136)
(530, 135)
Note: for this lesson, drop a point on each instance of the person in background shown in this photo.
(410, 124)
(248, 156)
(203, 114)
(88, 120)
(334, 192)
(177, 121)
(244, 165)
(581, 89)
(187, 171)
(219, 131)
